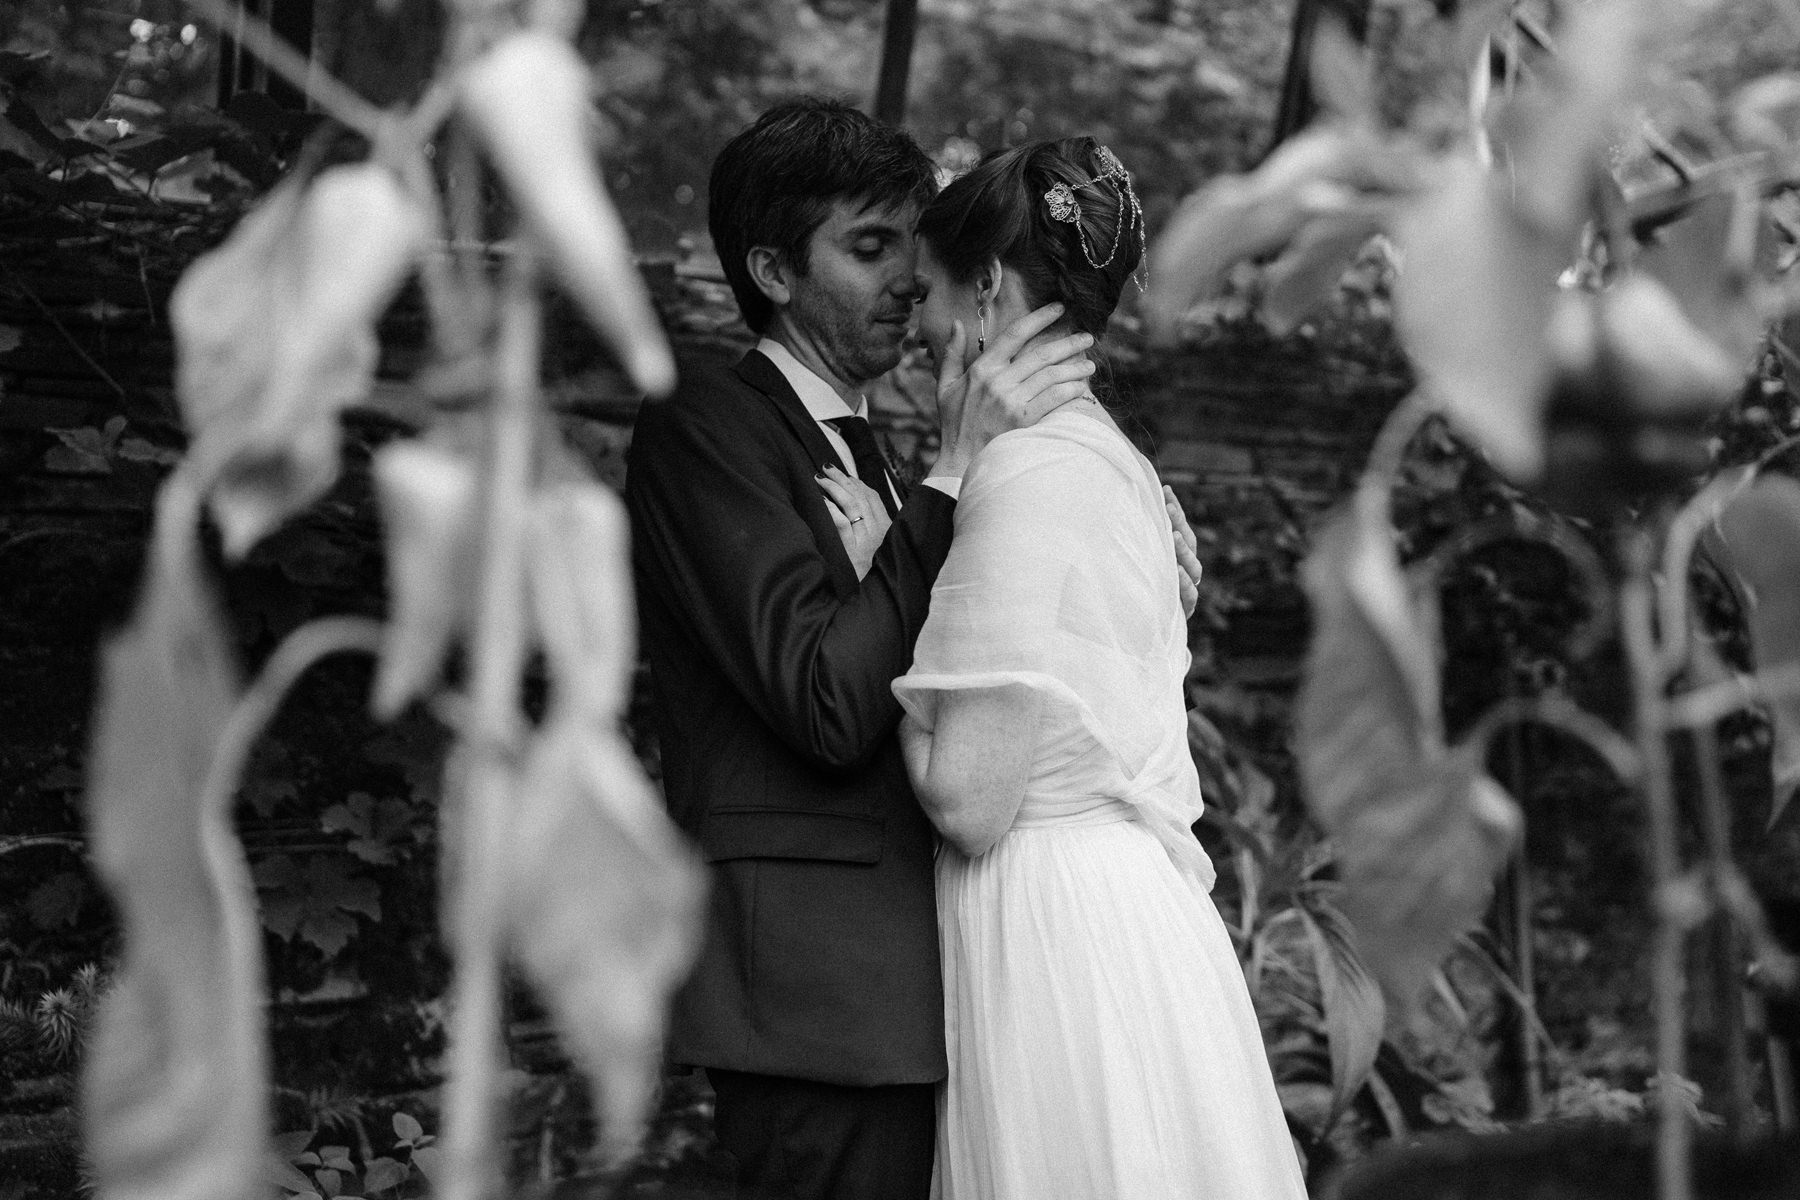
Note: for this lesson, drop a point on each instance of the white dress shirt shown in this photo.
(823, 404)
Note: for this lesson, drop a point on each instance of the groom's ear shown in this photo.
(768, 271)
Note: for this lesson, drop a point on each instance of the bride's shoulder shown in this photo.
(1060, 450)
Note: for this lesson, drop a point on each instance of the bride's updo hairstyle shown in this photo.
(1062, 214)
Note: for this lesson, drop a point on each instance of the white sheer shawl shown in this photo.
(1062, 577)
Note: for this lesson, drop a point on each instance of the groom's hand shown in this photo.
(1187, 552)
(1014, 383)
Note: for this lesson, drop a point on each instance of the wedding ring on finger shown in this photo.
(854, 520)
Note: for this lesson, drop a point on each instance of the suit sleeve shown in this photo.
(721, 541)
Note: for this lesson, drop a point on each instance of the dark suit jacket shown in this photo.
(771, 666)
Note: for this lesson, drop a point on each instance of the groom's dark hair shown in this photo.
(774, 184)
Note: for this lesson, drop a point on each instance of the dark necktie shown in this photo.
(870, 467)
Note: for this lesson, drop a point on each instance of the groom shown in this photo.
(817, 1003)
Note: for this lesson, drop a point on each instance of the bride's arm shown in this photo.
(970, 772)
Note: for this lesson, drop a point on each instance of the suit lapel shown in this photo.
(764, 377)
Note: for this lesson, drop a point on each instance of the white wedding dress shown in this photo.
(1101, 1039)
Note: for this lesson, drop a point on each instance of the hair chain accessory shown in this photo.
(1065, 207)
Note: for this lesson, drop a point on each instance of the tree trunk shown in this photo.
(897, 33)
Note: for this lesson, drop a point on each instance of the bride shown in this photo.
(1101, 1039)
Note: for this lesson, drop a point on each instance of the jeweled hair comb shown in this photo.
(1066, 207)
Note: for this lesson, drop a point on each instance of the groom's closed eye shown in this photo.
(872, 239)
(871, 247)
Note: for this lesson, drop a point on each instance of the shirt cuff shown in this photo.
(950, 485)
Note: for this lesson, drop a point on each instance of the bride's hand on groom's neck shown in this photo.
(1018, 379)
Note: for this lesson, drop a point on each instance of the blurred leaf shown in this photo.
(1705, 261)
(1351, 1003)
(1472, 306)
(1306, 276)
(579, 567)
(275, 334)
(1338, 174)
(1419, 833)
(1756, 541)
(1419, 868)
(1557, 134)
(1655, 357)
(1368, 708)
(527, 98)
(602, 909)
(1342, 72)
(427, 496)
(1765, 113)
(1482, 254)
(174, 1102)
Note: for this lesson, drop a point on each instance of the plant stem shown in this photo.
(1727, 944)
(1519, 915)
(1678, 555)
(1512, 525)
(298, 651)
(488, 745)
(1560, 713)
(1704, 707)
(1389, 451)
(1637, 623)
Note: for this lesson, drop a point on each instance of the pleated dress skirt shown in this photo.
(1102, 1041)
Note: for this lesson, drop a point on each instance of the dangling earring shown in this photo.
(981, 326)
